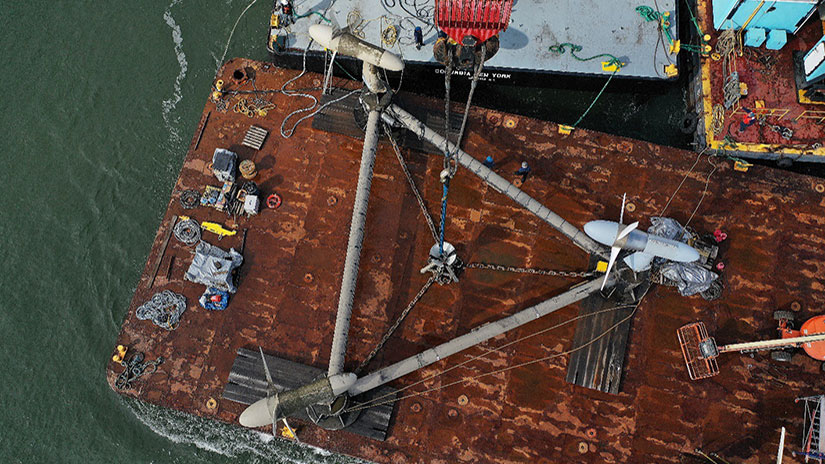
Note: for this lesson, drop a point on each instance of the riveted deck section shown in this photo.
(775, 256)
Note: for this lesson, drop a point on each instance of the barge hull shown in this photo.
(293, 258)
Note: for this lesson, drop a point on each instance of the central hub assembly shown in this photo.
(444, 263)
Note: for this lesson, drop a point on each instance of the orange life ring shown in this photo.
(273, 201)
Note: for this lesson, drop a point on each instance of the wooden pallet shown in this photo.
(255, 137)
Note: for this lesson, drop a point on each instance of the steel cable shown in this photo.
(377, 401)
(410, 180)
(397, 323)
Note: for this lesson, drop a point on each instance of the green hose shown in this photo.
(649, 14)
(311, 13)
(562, 47)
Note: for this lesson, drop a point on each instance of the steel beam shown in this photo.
(356, 238)
(474, 337)
(497, 182)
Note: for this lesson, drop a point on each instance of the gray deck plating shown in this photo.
(599, 26)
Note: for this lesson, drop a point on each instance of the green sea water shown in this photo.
(100, 101)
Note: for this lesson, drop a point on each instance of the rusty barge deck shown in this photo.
(293, 257)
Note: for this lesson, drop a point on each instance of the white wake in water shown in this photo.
(171, 103)
(234, 442)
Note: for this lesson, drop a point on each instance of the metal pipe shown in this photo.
(777, 343)
(356, 238)
(474, 337)
(497, 182)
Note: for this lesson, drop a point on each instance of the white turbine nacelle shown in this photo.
(646, 245)
(620, 237)
(347, 44)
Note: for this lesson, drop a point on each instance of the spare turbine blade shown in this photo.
(614, 252)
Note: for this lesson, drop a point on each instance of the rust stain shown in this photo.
(774, 257)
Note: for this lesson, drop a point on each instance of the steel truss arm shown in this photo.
(474, 337)
(497, 182)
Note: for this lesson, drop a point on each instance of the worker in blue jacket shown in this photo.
(523, 171)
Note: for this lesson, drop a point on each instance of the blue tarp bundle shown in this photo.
(206, 299)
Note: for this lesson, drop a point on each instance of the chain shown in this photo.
(397, 323)
(784, 132)
(718, 119)
(135, 368)
(447, 74)
(410, 180)
(222, 105)
(473, 83)
(450, 164)
(450, 161)
(527, 270)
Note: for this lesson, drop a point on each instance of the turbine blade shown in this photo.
(627, 230)
(269, 383)
(614, 252)
(621, 212)
(291, 431)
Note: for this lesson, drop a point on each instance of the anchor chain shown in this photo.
(527, 270)
(134, 368)
(410, 180)
(397, 323)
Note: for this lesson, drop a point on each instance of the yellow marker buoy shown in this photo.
(565, 130)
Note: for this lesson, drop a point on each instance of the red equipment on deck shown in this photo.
(700, 350)
(481, 19)
(469, 24)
